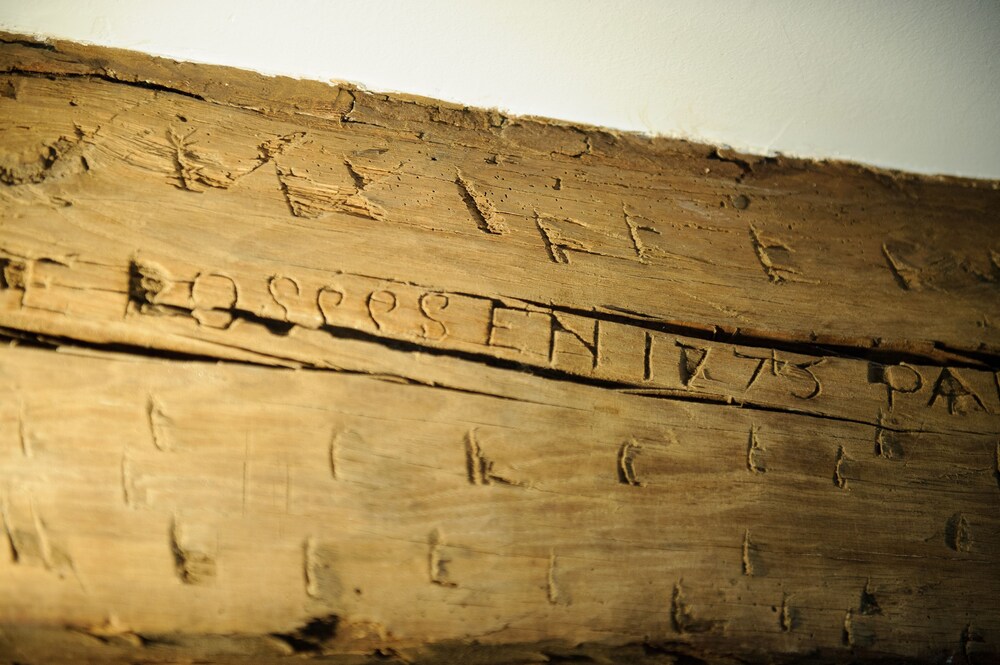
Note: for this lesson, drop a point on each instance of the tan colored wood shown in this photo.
(303, 371)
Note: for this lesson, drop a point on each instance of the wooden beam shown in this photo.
(302, 370)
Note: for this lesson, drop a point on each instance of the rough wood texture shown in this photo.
(299, 371)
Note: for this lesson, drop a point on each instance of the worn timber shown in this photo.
(299, 371)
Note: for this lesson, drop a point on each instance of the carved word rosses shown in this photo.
(507, 332)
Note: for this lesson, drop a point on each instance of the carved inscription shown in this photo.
(593, 346)
(215, 297)
(192, 563)
(749, 554)
(774, 257)
(755, 453)
(858, 631)
(907, 276)
(692, 363)
(580, 344)
(14, 273)
(839, 477)
(950, 389)
(23, 435)
(869, 603)
(158, 422)
(957, 533)
(626, 463)
(127, 481)
(551, 587)
(196, 170)
(311, 566)
(564, 236)
(572, 343)
(27, 535)
(309, 197)
(902, 378)
(437, 562)
(341, 439)
(682, 618)
(297, 306)
(574, 335)
(480, 206)
(636, 229)
(887, 443)
(25, 279)
(801, 373)
(786, 617)
(478, 467)
(924, 267)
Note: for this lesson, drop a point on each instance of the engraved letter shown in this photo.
(901, 378)
(433, 303)
(381, 302)
(214, 297)
(958, 395)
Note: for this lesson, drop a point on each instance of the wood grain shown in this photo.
(302, 371)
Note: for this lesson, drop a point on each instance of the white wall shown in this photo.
(910, 84)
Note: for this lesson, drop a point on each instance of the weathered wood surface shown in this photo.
(493, 388)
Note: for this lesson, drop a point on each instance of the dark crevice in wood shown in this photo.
(54, 343)
(109, 78)
(44, 46)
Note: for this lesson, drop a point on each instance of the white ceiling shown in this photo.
(909, 84)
